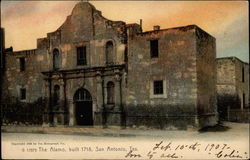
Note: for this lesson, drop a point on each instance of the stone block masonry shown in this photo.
(95, 71)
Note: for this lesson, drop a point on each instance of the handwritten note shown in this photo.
(171, 150)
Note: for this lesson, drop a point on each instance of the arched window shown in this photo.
(109, 53)
(55, 59)
(110, 93)
(82, 95)
(56, 95)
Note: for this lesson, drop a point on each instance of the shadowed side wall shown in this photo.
(206, 78)
(2, 59)
(242, 82)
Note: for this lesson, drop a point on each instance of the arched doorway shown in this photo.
(83, 107)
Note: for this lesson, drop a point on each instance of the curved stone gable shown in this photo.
(82, 6)
(86, 23)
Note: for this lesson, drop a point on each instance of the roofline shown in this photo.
(168, 29)
(187, 27)
(22, 51)
(232, 57)
(25, 50)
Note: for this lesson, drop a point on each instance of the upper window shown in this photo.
(81, 56)
(56, 59)
(22, 63)
(109, 53)
(158, 87)
(110, 92)
(243, 75)
(22, 93)
(154, 48)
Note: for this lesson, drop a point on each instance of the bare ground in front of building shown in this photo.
(224, 130)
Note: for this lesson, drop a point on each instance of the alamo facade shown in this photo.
(97, 72)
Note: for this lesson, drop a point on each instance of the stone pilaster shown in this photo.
(62, 95)
(117, 91)
(55, 122)
(100, 111)
(47, 111)
(99, 92)
(72, 120)
(62, 101)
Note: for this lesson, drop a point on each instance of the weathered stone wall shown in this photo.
(206, 78)
(176, 66)
(86, 27)
(185, 64)
(242, 87)
(226, 76)
(31, 78)
(239, 115)
(2, 48)
(229, 79)
(206, 72)
(230, 89)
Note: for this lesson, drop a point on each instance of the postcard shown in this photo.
(124, 80)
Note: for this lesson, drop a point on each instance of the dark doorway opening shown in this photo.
(83, 107)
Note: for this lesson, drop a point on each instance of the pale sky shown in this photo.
(227, 21)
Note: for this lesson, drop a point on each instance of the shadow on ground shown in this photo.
(216, 128)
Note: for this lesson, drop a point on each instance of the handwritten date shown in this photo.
(170, 150)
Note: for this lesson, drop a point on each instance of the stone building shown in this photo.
(2, 47)
(232, 86)
(95, 71)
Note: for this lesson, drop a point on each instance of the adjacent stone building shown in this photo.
(233, 88)
(2, 48)
(94, 71)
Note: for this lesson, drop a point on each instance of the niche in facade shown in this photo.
(110, 92)
(56, 59)
(109, 53)
(56, 95)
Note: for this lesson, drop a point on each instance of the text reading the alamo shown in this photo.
(61, 147)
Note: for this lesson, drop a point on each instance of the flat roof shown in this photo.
(231, 57)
